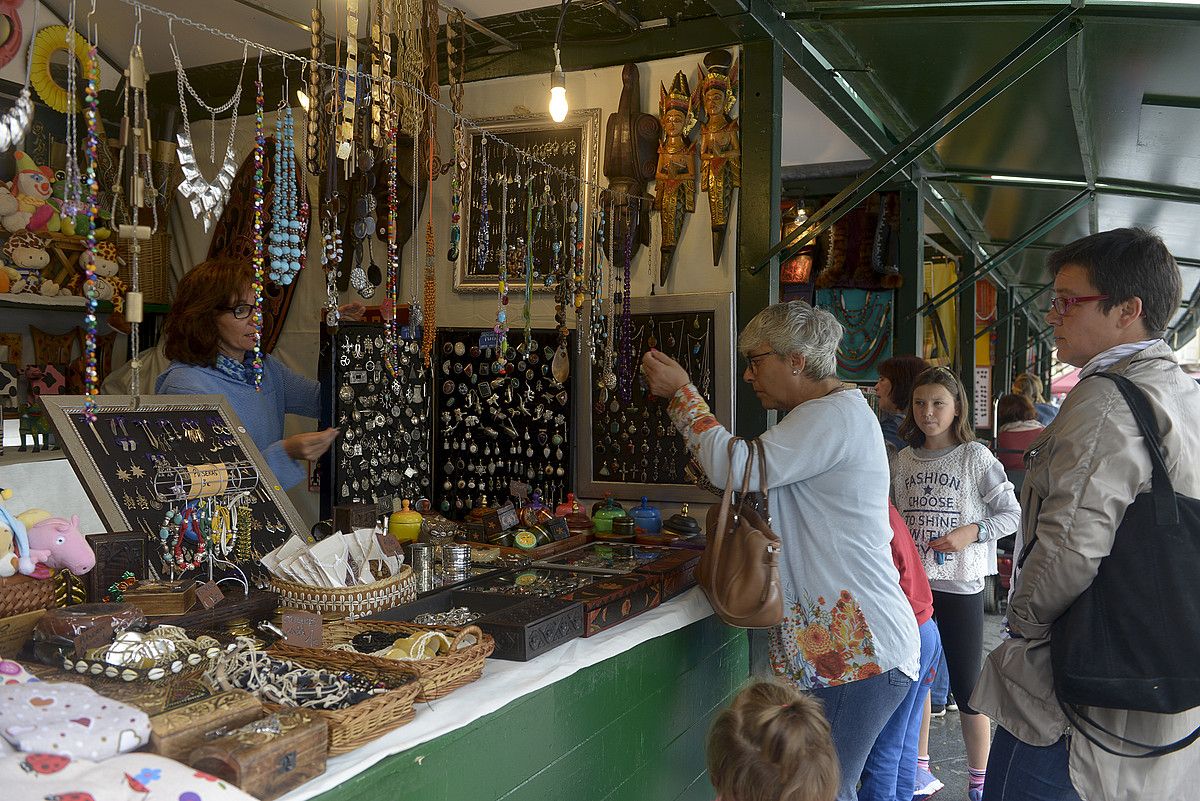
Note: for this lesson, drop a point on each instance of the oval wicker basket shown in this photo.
(357, 725)
(352, 602)
(439, 675)
(20, 594)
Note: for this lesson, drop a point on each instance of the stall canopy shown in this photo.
(1090, 124)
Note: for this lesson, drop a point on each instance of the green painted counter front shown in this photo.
(631, 728)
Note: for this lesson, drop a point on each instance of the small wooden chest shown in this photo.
(157, 598)
(176, 733)
(270, 756)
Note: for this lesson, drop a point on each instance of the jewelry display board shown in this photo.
(867, 316)
(385, 446)
(634, 448)
(571, 146)
(495, 428)
(134, 461)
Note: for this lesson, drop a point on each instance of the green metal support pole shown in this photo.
(966, 333)
(1001, 380)
(758, 203)
(912, 269)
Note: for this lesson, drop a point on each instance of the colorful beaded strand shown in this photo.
(260, 144)
(92, 116)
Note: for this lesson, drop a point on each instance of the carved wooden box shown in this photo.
(269, 756)
(176, 733)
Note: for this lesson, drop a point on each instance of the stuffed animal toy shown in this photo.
(28, 254)
(61, 541)
(32, 190)
(26, 565)
(8, 553)
(106, 266)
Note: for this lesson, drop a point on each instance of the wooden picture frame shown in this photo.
(105, 468)
(572, 145)
(597, 417)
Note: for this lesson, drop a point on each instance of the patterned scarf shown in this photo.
(239, 371)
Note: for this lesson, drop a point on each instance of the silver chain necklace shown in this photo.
(15, 121)
(206, 198)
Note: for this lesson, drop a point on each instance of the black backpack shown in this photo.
(1132, 639)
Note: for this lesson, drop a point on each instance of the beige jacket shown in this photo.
(1083, 472)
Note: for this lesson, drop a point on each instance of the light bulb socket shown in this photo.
(558, 79)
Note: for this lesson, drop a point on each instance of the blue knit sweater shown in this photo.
(260, 412)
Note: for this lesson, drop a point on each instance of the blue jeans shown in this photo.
(941, 683)
(891, 767)
(1021, 772)
(857, 712)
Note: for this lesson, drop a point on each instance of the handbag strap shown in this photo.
(1166, 509)
(762, 479)
(716, 537)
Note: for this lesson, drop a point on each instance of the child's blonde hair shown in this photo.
(772, 744)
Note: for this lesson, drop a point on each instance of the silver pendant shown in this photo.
(15, 121)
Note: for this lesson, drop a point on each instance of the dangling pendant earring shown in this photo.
(795, 372)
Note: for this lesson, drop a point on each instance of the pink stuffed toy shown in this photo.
(64, 546)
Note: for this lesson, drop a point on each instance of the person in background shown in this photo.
(955, 498)
(848, 635)
(891, 772)
(1019, 427)
(1030, 386)
(210, 340)
(772, 744)
(893, 389)
(1114, 295)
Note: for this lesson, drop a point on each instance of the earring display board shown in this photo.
(384, 449)
(137, 462)
(634, 448)
(499, 426)
(571, 146)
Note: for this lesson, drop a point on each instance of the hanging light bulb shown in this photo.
(558, 90)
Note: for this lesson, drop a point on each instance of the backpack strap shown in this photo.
(1166, 510)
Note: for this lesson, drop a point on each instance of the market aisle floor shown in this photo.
(947, 756)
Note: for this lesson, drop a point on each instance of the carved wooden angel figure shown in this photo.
(720, 142)
(630, 160)
(675, 177)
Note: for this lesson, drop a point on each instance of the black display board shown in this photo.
(384, 449)
(139, 460)
(562, 150)
(494, 429)
(634, 448)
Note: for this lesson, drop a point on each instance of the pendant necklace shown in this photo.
(455, 65)
(626, 359)
(73, 181)
(608, 377)
(207, 199)
(525, 314)
(284, 237)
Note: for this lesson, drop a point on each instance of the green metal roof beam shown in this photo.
(1104, 186)
(1041, 44)
(831, 10)
(1047, 224)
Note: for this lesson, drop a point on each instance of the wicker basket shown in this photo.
(154, 266)
(440, 675)
(24, 594)
(352, 602)
(357, 725)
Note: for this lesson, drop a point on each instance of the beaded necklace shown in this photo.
(625, 389)
(92, 116)
(260, 144)
(285, 208)
(429, 331)
(454, 74)
(525, 314)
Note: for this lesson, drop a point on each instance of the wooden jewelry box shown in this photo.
(176, 733)
(269, 756)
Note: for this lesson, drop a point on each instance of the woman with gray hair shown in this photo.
(848, 635)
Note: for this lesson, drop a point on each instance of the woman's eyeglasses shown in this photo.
(752, 360)
(1063, 305)
(240, 311)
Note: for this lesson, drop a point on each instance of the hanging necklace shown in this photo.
(501, 327)
(285, 207)
(578, 288)
(345, 146)
(626, 360)
(260, 146)
(315, 106)
(608, 377)
(455, 64)
(73, 194)
(92, 117)
(15, 121)
(430, 307)
(860, 317)
(525, 314)
(207, 199)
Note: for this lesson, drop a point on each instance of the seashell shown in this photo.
(154, 674)
(128, 674)
(110, 672)
(176, 666)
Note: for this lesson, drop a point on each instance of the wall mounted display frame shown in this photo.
(696, 330)
(572, 146)
(385, 448)
(119, 457)
(496, 429)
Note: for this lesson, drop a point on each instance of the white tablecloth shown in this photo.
(504, 682)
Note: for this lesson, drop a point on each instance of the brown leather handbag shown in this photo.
(739, 571)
